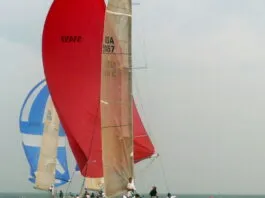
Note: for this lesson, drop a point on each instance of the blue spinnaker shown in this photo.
(31, 127)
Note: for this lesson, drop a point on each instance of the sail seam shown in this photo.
(139, 136)
(119, 13)
(115, 126)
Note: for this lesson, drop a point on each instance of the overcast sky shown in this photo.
(202, 92)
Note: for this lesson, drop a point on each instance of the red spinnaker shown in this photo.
(71, 50)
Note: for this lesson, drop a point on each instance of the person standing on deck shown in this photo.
(130, 188)
(85, 194)
(153, 192)
(61, 194)
(137, 196)
(52, 190)
(171, 196)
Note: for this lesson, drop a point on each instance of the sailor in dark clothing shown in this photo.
(153, 192)
(137, 195)
(61, 194)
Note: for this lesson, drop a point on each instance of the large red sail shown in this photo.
(71, 47)
(72, 39)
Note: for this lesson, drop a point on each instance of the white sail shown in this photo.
(116, 98)
(94, 183)
(45, 175)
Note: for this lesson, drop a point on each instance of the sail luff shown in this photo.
(116, 98)
(45, 175)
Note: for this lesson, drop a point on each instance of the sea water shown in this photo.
(25, 195)
(47, 195)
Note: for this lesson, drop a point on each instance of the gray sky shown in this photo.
(202, 94)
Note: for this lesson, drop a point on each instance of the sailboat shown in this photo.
(43, 139)
(103, 126)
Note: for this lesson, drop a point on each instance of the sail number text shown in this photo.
(108, 45)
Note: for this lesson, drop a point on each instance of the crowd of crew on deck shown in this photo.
(131, 192)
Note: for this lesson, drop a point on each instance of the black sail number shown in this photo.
(108, 48)
(109, 44)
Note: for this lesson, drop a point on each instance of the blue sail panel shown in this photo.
(31, 127)
(32, 154)
(77, 168)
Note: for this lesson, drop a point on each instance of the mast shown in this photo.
(116, 98)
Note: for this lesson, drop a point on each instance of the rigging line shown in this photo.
(72, 176)
(164, 174)
(82, 187)
(149, 129)
(139, 67)
(93, 135)
(151, 161)
(90, 148)
(144, 41)
(69, 183)
(142, 108)
(143, 171)
(142, 29)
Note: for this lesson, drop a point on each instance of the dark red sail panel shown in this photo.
(72, 38)
(71, 49)
(143, 147)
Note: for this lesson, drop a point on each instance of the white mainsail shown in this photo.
(116, 98)
(45, 175)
